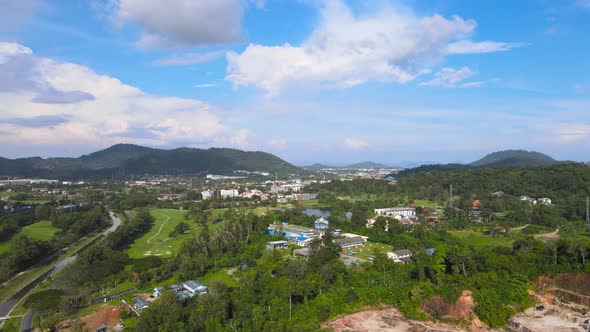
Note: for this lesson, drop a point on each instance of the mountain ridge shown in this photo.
(125, 159)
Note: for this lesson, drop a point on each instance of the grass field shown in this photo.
(156, 242)
(42, 230)
(369, 249)
(479, 240)
(220, 275)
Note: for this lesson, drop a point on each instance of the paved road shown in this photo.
(8, 305)
(26, 324)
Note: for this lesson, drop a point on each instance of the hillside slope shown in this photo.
(514, 158)
(127, 159)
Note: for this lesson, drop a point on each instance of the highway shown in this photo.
(7, 305)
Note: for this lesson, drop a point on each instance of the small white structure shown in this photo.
(208, 194)
(544, 201)
(322, 223)
(400, 256)
(194, 287)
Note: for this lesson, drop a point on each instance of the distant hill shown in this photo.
(364, 164)
(514, 158)
(368, 164)
(127, 159)
(507, 158)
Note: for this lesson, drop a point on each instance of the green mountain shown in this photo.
(127, 159)
(507, 158)
(514, 158)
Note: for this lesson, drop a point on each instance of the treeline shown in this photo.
(25, 251)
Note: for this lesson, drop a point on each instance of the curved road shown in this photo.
(8, 304)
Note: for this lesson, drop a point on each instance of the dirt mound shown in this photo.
(107, 315)
(391, 320)
(573, 287)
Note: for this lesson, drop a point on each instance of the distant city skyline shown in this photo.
(329, 81)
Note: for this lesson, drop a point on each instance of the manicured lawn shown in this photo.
(426, 203)
(369, 249)
(42, 230)
(479, 240)
(220, 275)
(157, 241)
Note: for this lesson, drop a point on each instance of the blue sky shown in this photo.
(331, 81)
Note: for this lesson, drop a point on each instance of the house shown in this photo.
(303, 241)
(176, 288)
(322, 223)
(274, 245)
(498, 194)
(9, 207)
(305, 252)
(400, 256)
(350, 242)
(207, 194)
(429, 251)
(140, 303)
(544, 201)
(194, 287)
(476, 203)
(528, 199)
(158, 291)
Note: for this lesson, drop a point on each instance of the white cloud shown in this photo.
(206, 85)
(344, 50)
(116, 112)
(278, 144)
(355, 144)
(471, 47)
(452, 78)
(166, 23)
(189, 59)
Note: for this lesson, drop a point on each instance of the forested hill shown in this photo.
(507, 158)
(566, 184)
(127, 159)
(514, 158)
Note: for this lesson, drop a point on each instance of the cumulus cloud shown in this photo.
(345, 50)
(452, 78)
(166, 23)
(355, 144)
(189, 59)
(471, 47)
(65, 103)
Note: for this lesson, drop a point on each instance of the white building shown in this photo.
(225, 193)
(400, 256)
(208, 194)
(544, 201)
(397, 212)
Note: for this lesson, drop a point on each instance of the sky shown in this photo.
(330, 81)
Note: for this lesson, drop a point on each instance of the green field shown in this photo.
(220, 275)
(42, 230)
(156, 242)
(480, 240)
(369, 249)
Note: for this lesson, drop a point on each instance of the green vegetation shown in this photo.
(480, 240)
(142, 160)
(157, 241)
(42, 230)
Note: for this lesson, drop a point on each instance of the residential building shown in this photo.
(350, 242)
(158, 291)
(400, 256)
(194, 287)
(208, 194)
(140, 303)
(544, 201)
(274, 245)
(498, 194)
